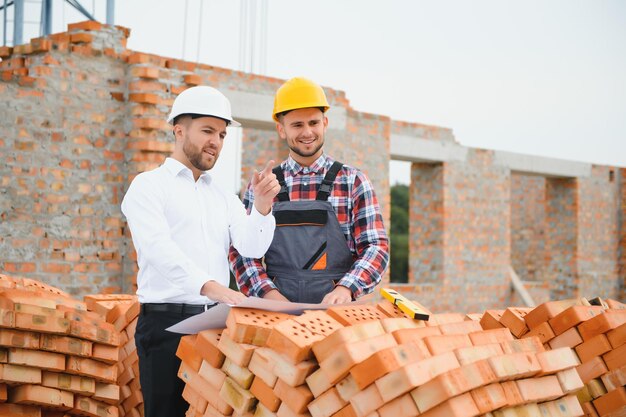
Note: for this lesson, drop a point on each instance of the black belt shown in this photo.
(175, 308)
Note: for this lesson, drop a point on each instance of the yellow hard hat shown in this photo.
(298, 93)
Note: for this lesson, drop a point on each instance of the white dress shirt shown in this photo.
(182, 230)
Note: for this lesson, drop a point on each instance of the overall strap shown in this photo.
(283, 194)
(327, 183)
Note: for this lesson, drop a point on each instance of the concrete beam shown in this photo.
(413, 149)
(541, 166)
(254, 110)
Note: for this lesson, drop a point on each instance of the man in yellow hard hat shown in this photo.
(330, 243)
(182, 224)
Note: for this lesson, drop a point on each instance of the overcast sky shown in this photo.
(538, 77)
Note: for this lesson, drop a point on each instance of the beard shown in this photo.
(196, 156)
(304, 152)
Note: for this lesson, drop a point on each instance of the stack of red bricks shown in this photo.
(369, 360)
(56, 357)
(122, 311)
(597, 333)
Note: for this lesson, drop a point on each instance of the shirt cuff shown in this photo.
(267, 220)
(352, 283)
(262, 287)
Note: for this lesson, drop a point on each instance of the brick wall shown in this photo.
(528, 220)
(83, 115)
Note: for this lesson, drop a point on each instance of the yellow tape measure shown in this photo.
(407, 306)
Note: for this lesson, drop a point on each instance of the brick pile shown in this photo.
(595, 331)
(55, 355)
(370, 360)
(122, 310)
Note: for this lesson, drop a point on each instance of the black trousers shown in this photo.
(158, 365)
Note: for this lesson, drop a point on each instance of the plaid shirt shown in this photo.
(359, 216)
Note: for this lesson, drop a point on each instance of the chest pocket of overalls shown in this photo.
(301, 236)
(309, 252)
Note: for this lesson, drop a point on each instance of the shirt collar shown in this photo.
(316, 167)
(176, 167)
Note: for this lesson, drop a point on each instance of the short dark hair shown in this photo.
(196, 116)
(280, 116)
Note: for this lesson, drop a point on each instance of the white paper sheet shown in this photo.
(215, 318)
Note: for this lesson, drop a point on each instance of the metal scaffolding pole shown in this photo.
(110, 12)
(18, 22)
(46, 17)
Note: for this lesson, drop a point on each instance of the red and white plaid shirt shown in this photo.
(358, 213)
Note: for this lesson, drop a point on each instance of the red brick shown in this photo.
(491, 319)
(553, 361)
(206, 346)
(17, 338)
(93, 408)
(543, 332)
(237, 397)
(87, 367)
(252, 326)
(615, 378)
(514, 365)
(592, 369)
(383, 362)
(545, 388)
(511, 393)
(596, 346)
(367, 401)
(325, 346)
(461, 406)
(338, 364)
(441, 344)
(546, 311)
(196, 401)
(602, 323)
(89, 25)
(401, 406)
(452, 383)
(472, 354)
(239, 353)
(415, 374)
(213, 376)
(105, 353)
(513, 319)
(65, 344)
(617, 336)
(19, 374)
(572, 317)
(570, 380)
(570, 338)
(296, 398)
(347, 388)
(16, 410)
(242, 376)
(326, 405)
(392, 324)
(66, 382)
(44, 396)
(188, 353)
(616, 358)
(37, 359)
(612, 402)
(290, 373)
(318, 382)
(352, 315)
(463, 327)
(407, 335)
(486, 337)
(41, 323)
(292, 340)
(145, 72)
(589, 409)
(489, 398)
(265, 394)
(562, 407)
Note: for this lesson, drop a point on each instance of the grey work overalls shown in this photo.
(309, 252)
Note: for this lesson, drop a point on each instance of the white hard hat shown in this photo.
(202, 100)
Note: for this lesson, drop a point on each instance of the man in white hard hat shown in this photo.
(182, 224)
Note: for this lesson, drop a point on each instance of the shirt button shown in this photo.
(306, 183)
